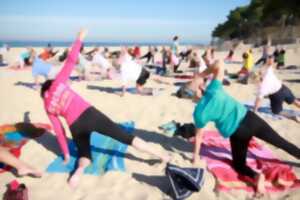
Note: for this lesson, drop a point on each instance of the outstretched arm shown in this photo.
(65, 72)
(257, 104)
(216, 69)
(60, 136)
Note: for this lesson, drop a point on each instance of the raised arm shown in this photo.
(216, 69)
(60, 136)
(65, 72)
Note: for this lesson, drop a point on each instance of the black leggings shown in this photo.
(261, 60)
(93, 120)
(149, 56)
(252, 125)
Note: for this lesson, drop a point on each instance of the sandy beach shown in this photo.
(141, 181)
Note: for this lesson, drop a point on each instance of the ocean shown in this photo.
(104, 44)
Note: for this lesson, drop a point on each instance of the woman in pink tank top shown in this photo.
(82, 118)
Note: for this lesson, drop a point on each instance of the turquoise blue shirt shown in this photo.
(25, 55)
(218, 107)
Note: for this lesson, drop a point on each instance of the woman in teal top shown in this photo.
(233, 121)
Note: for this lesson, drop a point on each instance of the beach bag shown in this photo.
(184, 181)
(186, 130)
(16, 191)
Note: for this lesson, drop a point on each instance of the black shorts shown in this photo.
(93, 120)
(277, 99)
(143, 77)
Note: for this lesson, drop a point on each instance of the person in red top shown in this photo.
(136, 52)
(82, 118)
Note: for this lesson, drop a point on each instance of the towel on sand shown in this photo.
(216, 152)
(107, 154)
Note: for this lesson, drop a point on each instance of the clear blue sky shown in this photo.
(113, 20)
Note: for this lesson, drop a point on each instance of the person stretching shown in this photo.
(233, 121)
(272, 87)
(82, 118)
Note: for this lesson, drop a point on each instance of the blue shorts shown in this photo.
(41, 68)
(277, 99)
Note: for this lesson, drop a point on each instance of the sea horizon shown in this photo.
(28, 43)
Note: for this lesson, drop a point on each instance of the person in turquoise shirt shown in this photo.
(233, 121)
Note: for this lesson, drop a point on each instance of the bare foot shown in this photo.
(260, 188)
(29, 171)
(74, 180)
(296, 118)
(166, 158)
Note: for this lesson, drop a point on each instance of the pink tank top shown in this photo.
(61, 100)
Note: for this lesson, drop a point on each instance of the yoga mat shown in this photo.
(107, 154)
(266, 111)
(20, 69)
(3, 64)
(25, 84)
(132, 90)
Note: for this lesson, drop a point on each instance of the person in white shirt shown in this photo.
(3, 52)
(102, 63)
(132, 71)
(270, 86)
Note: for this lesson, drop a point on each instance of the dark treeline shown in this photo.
(249, 21)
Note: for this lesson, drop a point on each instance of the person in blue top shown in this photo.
(233, 121)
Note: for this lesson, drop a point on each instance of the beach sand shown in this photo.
(141, 181)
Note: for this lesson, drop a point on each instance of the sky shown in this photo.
(113, 20)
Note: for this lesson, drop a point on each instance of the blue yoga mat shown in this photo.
(107, 154)
(14, 137)
(266, 111)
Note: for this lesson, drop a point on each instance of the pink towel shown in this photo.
(216, 151)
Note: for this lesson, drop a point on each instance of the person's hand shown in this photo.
(82, 34)
(67, 159)
(122, 94)
(196, 159)
(198, 162)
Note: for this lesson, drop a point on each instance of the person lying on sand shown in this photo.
(82, 118)
(6, 157)
(270, 86)
(234, 122)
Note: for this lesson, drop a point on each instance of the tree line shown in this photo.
(249, 21)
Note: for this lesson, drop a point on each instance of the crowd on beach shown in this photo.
(206, 88)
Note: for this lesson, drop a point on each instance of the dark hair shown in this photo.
(27, 61)
(45, 86)
(245, 55)
(175, 38)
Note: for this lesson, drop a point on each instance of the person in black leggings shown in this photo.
(233, 121)
(149, 55)
(259, 128)
(88, 122)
